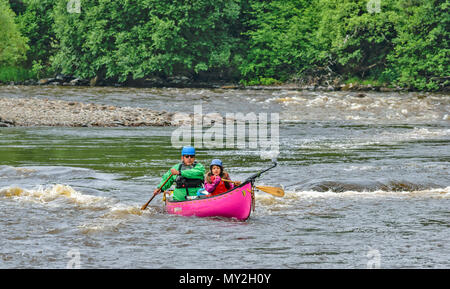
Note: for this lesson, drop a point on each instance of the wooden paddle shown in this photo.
(157, 192)
(275, 191)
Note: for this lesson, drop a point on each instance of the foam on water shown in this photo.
(383, 137)
(52, 194)
(115, 215)
(362, 107)
(268, 201)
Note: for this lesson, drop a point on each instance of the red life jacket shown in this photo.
(220, 187)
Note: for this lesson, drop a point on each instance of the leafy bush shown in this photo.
(421, 56)
(135, 39)
(354, 40)
(278, 33)
(13, 73)
(13, 46)
(35, 21)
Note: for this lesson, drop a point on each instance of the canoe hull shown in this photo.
(236, 203)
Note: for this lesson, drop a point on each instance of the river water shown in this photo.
(366, 179)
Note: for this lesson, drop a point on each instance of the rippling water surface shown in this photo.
(366, 179)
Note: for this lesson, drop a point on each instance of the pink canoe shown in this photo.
(236, 203)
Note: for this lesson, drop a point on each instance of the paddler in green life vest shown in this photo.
(188, 176)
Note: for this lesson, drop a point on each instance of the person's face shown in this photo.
(188, 160)
(215, 170)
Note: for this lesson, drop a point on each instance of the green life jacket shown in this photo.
(183, 182)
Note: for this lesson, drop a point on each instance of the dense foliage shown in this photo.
(396, 42)
(13, 46)
(139, 38)
(421, 51)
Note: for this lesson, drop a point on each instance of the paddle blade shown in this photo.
(274, 191)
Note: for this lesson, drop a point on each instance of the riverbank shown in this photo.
(186, 82)
(44, 112)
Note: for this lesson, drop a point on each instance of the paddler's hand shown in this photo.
(174, 172)
(156, 191)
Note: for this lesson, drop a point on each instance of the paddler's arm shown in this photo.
(169, 182)
(211, 187)
(198, 172)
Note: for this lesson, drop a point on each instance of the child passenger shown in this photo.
(214, 183)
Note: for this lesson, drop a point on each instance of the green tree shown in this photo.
(353, 40)
(135, 39)
(13, 46)
(36, 23)
(421, 56)
(278, 33)
(301, 37)
(402, 42)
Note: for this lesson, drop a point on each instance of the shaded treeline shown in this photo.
(391, 42)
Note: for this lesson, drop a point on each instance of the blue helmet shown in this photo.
(188, 151)
(216, 162)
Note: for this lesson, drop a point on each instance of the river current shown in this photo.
(366, 178)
